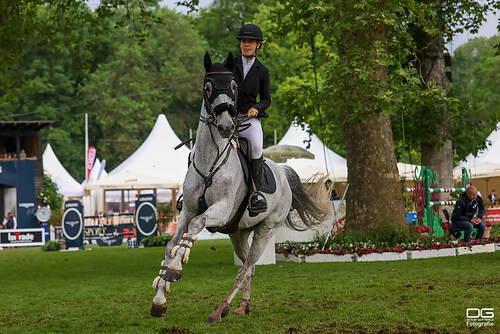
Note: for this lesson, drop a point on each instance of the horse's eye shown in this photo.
(208, 89)
(234, 87)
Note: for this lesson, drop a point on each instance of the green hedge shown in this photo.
(158, 241)
(51, 246)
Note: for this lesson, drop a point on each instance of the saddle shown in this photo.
(268, 186)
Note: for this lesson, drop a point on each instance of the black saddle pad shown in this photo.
(268, 184)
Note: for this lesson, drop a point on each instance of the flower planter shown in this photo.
(290, 258)
(476, 249)
(497, 247)
(318, 258)
(487, 231)
(387, 256)
(428, 253)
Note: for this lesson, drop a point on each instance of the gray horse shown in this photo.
(215, 192)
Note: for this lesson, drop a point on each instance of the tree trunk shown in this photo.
(374, 197)
(436, 149)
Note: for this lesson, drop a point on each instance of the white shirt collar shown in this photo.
(247, 64)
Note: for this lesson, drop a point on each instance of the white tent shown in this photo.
(491, 154)
(309, 169)
(155, 164)
(68, 186)
(487, 162)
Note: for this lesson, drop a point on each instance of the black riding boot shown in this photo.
(257, 202)
(180, 201)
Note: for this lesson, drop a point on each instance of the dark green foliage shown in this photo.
(51, 246)
(49, 194)
(156, 241)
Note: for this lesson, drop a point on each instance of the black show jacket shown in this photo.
(257, 82)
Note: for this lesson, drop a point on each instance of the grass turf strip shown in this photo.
(108, 290)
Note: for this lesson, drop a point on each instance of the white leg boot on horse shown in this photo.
(160, 283)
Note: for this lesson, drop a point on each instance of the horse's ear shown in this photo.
(207, 62)
(229, 62)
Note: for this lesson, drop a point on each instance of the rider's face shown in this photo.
(248, 47)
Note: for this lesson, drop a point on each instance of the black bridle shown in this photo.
(220, 88)
(212, 120)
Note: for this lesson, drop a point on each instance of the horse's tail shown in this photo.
(313, 204)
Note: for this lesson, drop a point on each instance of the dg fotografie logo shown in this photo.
(480, 317)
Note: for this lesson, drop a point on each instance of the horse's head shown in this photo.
(220, 93)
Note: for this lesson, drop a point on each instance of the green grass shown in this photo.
(108, 290)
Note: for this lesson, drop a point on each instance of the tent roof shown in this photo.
(155, 161)
(311, 169)
(307, 168)
(491, 154)
(485, 169)
(68, 186)
(131, 180)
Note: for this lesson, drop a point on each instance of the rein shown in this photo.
(207, 179)
(209, 121)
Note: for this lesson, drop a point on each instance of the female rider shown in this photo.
(253, 80)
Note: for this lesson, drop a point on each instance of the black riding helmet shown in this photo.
(250, 31)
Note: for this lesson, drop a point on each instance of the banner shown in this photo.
(22, 237)
(91, 154)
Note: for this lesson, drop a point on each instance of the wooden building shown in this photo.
(21, 169)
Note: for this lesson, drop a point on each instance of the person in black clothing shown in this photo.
(10, 222)
(329, 188)
(468, 214)
(493, 198)
(253, 81)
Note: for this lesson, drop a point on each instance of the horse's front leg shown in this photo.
(216, 215)
(160, 284)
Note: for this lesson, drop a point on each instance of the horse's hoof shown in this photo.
(158, 310)
(220, 312)
(243, 308)
(214, 319)
(172, 275)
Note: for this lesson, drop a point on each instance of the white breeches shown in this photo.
(254, 135)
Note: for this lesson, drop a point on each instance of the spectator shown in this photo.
(493, 198)
(22, 155)
(329, 188)
(10, 222)
(467, 214)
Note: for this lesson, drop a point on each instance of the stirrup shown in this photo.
(179, 203)
(256, 205)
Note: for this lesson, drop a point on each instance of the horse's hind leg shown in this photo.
(260, 240)
(241, 248)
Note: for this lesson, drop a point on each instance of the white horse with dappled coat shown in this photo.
(216, 194)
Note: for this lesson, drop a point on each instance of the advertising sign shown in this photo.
(72, 224)
(22, 237)
(145, 216)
